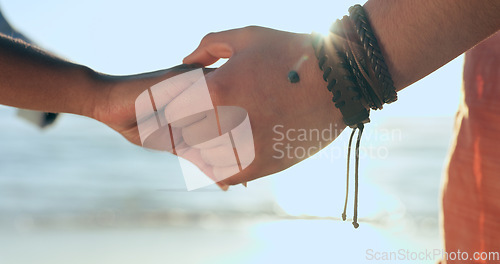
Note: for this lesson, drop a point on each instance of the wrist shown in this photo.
(320, 97)
(96, 90)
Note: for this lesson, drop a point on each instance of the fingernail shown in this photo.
(223, 186)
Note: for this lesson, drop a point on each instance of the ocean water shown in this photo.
(80, 165)
(80, 181)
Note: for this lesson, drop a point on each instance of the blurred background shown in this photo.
(77, 192)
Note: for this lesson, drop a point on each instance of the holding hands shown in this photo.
(225, 121)
(255, 79)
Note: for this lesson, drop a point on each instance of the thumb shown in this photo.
(215, 46)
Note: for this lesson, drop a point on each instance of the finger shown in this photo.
(192, 101)
(186, 121)
(181, 148)
(204, 132)
(194, 156)
(242, 139)
(210, 53)
(239, 178)
(149, 119)
(146, 126)
(215, 46)
(222, 173)
(230, 117)
(220, 156)
(223, 186)
(162, 139)
(164, 92)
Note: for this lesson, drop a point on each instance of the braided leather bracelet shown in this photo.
(356, 74)
(372, 49)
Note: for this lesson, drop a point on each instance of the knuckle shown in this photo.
(208, 37)
(251, 28)
(216, 89)
(187, 136)
(251, 32)
(205, 155)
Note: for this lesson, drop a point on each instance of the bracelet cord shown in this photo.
(358, 78)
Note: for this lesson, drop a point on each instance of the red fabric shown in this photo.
(471, 194)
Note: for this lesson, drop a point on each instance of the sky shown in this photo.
(126, 37)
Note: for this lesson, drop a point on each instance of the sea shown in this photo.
(77, 192)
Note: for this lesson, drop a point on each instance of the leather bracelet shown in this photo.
(340, 80)
(351, 52)
(356, 75)
(356, 58)
(374, 53)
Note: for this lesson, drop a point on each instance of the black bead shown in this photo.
(293, 77)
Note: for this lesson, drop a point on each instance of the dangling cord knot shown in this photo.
(360, 127)
(344, 215)
(355, 217)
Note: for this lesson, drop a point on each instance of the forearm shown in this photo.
(418, 37)
(33, 79)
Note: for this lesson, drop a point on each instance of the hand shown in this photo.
(121, 100)
(255, 79)
(115, 105)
